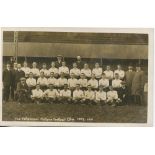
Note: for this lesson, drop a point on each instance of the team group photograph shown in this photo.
(91, 86)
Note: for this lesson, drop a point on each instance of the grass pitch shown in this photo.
(74, 113)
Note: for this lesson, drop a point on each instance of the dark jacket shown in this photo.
(13, 71)
(22, 88)
(80, 64)
(7, 77)
(58, 64)
(18, 75)
(137, 83)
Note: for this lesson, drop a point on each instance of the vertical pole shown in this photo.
(16, 45)
(101, 63)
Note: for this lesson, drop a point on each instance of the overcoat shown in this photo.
(138, 83)
(129, 75)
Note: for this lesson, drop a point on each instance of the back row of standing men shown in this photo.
(59, 73)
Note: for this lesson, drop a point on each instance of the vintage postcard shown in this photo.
(76, 77)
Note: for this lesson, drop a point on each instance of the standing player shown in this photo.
(109, 74)
(65, 95)
(97, 71)
(26, 69)
(83, 82)
(42, 81)
(78, 95)
(45, 70)
(51, 95)
(54, 69)
(86, 71)
(120, 72)
(64, 69)
(116, 83)
(93, 82)
(101, 96)
(31, 82)
(7, 81)
(112, 97)
(35, 70)
(89, 95)
(76, 71)
(104, 82)
(37, 95)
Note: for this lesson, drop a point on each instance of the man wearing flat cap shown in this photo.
(59, 61)
(22, 91)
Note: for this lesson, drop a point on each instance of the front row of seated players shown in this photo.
(65, 95)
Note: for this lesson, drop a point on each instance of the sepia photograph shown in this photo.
(76, 77)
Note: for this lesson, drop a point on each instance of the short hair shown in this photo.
(41, 72)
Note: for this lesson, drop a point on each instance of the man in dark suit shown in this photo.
(7, 77)
(13, 86)
(129, 75)
(58, 63)
(22, 91)
(18, 74)
(79, 62)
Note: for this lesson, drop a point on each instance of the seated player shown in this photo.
(78, 95)
(37, 95)
(76, 71)
(120, 72)
(89, 95)
(22, 91)
(31, 82)
(42, 81)
(109, 73)
(25, 69)
(54, 69)
(83, 82)
(64, 69)
(104, 82)
(35, 70)
(116, 83)
(45, 70)
(97, 71)
(93, 82)
(52, 80)
(86, 71)
(61, 81)
(65, 95)
(112, 97)
(123, 93)
(101, 96)
(51, 95)
(72, 82)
